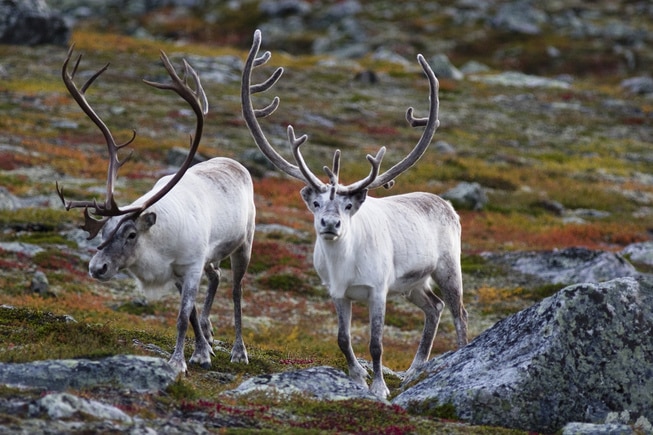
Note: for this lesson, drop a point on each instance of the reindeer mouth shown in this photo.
(329, 235)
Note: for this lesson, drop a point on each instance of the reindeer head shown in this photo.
(121, 228)
(121, 249)
(332, 203)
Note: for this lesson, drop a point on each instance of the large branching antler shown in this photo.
(109, 207)
(99, 213)
(431, 123)
(251, 116)
(301, 170)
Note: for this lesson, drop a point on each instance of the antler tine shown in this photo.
(268, 83)
(309, 177)
(92, 226)
(251, 115)
(334, 172)
(195, 98)
(432, 122)
(262, 59)
(109, 208)
(199, 103)
(365, 183)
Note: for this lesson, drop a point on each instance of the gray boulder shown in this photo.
(31, 22)
(519, 17)
(470, 196)
(138, 373)
(567, 266)
(64, 405)
(520, 80)
(638, 85)
(639, 253)
(325, 383)
(576, 356)
(444, 69)
(7, 200)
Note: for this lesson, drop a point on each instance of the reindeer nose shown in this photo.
(331, 223)
(99, 272)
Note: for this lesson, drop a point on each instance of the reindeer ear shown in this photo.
(146, 221)
(359, 197)
(308, 193)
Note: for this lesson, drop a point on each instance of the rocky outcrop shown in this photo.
(31, 22)
(126, 371)
(567, 266)
(325, 383)
(582, 356)
(576, 356)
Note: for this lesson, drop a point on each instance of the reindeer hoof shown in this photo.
(178, 367)
(239, 354)
(380, 390)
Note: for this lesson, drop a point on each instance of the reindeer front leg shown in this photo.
(343, 310)
(377, 318)
(187, 312)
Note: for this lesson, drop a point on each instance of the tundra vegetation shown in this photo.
(527, 147)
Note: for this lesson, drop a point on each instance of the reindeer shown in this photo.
(371, 248)
(188, 223)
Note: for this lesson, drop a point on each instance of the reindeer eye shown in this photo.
(132, 235)
(348, 206)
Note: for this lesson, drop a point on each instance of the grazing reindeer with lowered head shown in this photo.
(187, 224)
(368, 248)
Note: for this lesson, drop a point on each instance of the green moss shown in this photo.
(350, 416)
(433, 408)
(472, 263)
(28, 335)
(46, 238)
(41, 219)
(544, 291)
(290, 282)
(181, 390)
(137, 307)
(267, 254)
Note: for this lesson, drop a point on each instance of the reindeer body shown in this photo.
(187, 224)
(379, 249)
(372, 248)
(208, 216)
(368, 249)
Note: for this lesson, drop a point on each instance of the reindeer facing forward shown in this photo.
(369, 248)
(186, 225)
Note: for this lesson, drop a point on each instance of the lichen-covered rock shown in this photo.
(575, 356)
(470, 196)
(568, 266)
(30, 22)
(138, 373)
(639, 253)
(64, 405)
(324, 383)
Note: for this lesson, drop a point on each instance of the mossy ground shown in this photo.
(523, 157)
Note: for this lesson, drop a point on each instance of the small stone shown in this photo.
(40, 284)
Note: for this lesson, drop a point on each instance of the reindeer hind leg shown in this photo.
(432, 306)
(239, 262)
(213, 275)
(448, 277)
